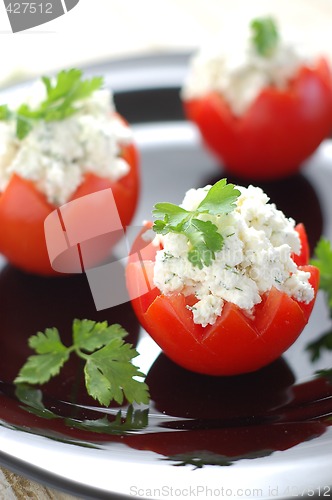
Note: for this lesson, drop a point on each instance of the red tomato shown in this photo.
(303, 258)
(235, 343)
(278, 131)
(23, 210)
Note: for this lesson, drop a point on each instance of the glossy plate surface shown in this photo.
(264, 435)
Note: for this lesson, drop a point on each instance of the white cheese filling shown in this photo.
(57, 154)
(235, 70)
(256, 256)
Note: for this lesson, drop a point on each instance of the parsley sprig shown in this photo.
(265, 37)
(203, 236)
(62, 94)
(323, 260)
(109, 372)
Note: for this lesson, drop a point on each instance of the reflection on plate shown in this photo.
(199, 434)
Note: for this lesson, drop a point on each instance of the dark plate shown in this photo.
(263, 435)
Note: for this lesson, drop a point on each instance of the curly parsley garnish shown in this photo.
(203, 236)
(109, 372)
(62, 94)
(265, 37)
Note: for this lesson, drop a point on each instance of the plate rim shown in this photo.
(115, 69)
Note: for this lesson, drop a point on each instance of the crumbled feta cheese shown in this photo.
(57, 154)
(256, 256)
(235, 70)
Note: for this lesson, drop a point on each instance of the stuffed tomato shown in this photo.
(224, 287)
(261, 106)
(66, 142)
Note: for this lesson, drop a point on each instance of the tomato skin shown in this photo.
(235, 344)
(23, 210)
(22, 213)
(303, 258)
(277, 132)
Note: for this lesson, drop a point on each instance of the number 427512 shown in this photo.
(29, 8)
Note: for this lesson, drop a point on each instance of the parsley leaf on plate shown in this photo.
(90, 335)
(51, 356)
(109, 372)
(62, 95)
(203, 236)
